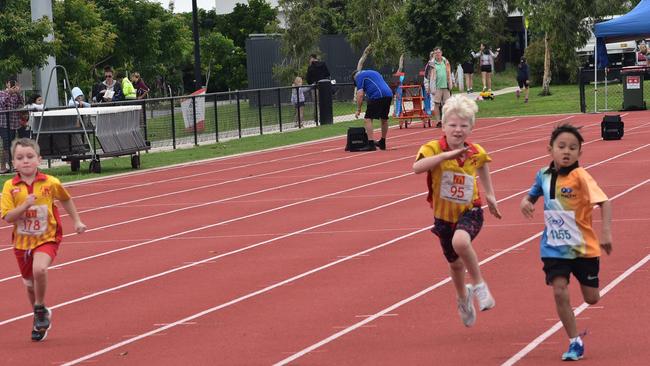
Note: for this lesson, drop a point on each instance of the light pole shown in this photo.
(40, 9)
(197, 50)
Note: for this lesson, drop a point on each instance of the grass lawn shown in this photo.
(564, 99)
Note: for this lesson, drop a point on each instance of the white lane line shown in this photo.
(557, 326)
(218, 201)
(304, 274)
(419, 294)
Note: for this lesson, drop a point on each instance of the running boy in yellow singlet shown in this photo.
(28, 204)
(452, 164)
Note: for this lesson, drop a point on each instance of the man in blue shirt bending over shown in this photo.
(372, 84)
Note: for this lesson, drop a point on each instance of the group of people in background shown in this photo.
(15, 125)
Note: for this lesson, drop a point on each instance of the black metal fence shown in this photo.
(613, 91)
(208, 118)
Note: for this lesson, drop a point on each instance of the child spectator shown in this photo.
(28, 204)
(523, 78)
(35, 103)
(298, 100)
(452, 165)
(77, 99)
(569, 243)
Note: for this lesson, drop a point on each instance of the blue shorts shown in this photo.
(470, 221)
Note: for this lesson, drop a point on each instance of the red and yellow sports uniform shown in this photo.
(453, 192)
(452, 184)
(40, 226)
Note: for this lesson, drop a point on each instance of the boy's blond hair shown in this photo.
(25, 142)
(460, 106)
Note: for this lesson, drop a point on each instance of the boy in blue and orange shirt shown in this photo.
(28, 204)
(569, 243)
(452, 164)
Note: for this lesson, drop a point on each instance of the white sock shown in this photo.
(576, 339)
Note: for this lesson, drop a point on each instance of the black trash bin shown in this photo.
(325, 109)
(633, 89)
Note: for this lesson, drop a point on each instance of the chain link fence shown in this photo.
(611, 93)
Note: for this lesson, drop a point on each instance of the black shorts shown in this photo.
(470, 221)
(522, 84)
(299, 105)
(584, 269)
(378, 108)
(486, 68)
(468, 67)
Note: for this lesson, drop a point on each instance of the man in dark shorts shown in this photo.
(371, 84)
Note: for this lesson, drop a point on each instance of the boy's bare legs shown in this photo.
(457, 274)
(591, 295)
(40, 265)
(563, 306)
(462, 244)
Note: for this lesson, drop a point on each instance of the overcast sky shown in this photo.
(222, 6)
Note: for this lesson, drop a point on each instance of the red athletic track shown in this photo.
(312, 253)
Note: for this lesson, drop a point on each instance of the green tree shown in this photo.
(561, 26)
(150, 39)
(86, 39)
(255, 17)
(22, 42)
(226, 63)
(452, 25)
(300, 38)
(377, 24)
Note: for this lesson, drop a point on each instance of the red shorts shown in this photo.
(25, 258)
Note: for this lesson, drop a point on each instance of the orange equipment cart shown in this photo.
(411, 108)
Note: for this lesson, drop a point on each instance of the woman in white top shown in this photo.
(486, 61)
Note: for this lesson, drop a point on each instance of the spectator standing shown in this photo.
(440, 76)
(642, 56)
(468, 71)
(486, 60)
(108, 90)
(317, 70)
(10, 99)
(141, 88)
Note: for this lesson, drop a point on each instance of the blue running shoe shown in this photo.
(575, 352)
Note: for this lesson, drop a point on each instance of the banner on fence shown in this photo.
(188, 111)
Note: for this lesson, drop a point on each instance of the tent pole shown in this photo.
(596, 76)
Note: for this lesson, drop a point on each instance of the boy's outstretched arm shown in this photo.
(486, 181)
(71, 209)
(428, 163)
(606, 232)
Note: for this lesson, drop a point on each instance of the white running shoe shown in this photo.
(466, 308)
(483, 296)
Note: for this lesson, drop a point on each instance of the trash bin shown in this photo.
(325, 108)
(633, 89)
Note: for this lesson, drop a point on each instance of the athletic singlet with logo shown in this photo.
(569, 196)
(41, 222)
(453, 187)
